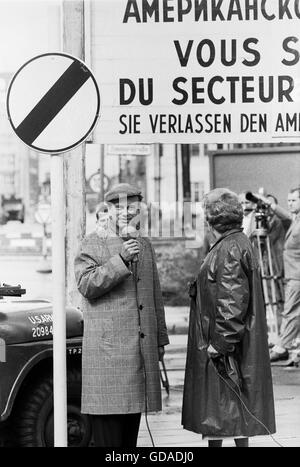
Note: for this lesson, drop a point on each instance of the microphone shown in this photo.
(131, 232)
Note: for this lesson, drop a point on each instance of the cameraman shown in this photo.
(290, 326)
(277, 229)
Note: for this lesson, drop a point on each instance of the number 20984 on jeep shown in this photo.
(26, 373)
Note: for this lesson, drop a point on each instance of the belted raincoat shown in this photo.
(227, 311)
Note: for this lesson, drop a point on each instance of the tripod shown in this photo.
(272, 284)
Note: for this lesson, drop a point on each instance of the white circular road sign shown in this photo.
(53, 103)
(95, 182)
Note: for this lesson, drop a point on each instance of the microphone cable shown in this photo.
(244, 405)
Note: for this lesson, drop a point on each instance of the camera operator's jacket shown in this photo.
(122, 329)
(227, 311)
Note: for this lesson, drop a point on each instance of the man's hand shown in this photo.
(130, 249)
(212, 352)
(161, 353)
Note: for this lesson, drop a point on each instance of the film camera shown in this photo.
(261, 211)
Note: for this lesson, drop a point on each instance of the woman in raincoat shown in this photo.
(228, 388)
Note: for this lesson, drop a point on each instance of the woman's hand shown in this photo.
(212, 352)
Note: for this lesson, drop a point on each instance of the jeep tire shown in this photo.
(33, 417)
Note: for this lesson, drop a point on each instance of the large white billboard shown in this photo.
(197, 71)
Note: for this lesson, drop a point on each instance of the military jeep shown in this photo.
(26, 375)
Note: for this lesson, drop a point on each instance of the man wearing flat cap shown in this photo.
(124, 321)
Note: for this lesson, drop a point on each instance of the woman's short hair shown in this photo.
(223, 210)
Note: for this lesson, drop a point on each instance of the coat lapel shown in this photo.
(142, 244)
(289, 230)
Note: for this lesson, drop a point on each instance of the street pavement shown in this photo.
(166, 426)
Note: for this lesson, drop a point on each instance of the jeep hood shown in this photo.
(29, 321)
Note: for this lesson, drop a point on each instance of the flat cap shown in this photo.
(122, 190)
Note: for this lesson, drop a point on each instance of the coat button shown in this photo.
(141, 307)
(142, 335)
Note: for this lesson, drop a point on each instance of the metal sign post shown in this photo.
(53, 105)
(59, 310)
(43, 217)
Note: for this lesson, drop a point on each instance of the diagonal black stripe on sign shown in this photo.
(52, 102)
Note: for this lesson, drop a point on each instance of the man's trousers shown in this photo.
(116, 430)
(290, 325)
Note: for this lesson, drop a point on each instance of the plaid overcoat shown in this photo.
(124, 323)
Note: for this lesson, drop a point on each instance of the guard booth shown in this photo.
(276, 169)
